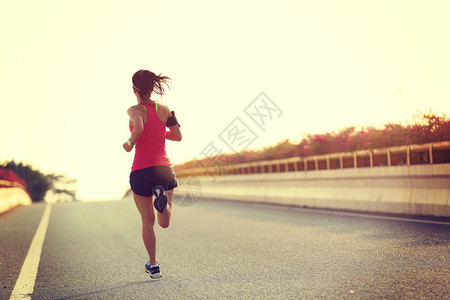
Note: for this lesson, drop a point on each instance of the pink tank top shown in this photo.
(150, 148)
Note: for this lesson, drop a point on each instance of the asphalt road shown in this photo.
(216, 250)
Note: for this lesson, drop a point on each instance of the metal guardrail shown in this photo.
(433, 153)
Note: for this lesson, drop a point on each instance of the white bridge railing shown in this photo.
(433, 153)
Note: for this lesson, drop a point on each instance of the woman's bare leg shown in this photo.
(164, 218)
(145, 207)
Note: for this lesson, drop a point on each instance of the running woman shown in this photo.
(151, 173)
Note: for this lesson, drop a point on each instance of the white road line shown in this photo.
(25, 283)
(386, 218)
(354, 214)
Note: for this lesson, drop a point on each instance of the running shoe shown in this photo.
(154, 271)
(160, 202)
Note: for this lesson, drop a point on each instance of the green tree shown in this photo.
(63, 187)
(38, 184)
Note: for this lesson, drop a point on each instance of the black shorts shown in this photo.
(143, 181)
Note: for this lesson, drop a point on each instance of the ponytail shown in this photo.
(146, 83)
(159, 82)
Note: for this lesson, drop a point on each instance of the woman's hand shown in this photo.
(127, 147)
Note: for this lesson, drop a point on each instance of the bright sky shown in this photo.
(66, 68)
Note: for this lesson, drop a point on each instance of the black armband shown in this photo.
(172, 120)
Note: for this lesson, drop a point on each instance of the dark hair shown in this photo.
(146, 83)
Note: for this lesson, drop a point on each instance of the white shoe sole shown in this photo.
(154, 276)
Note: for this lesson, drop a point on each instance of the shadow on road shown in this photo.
(116, 288)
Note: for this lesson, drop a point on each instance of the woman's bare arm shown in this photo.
(174, 133)
(138, 127)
